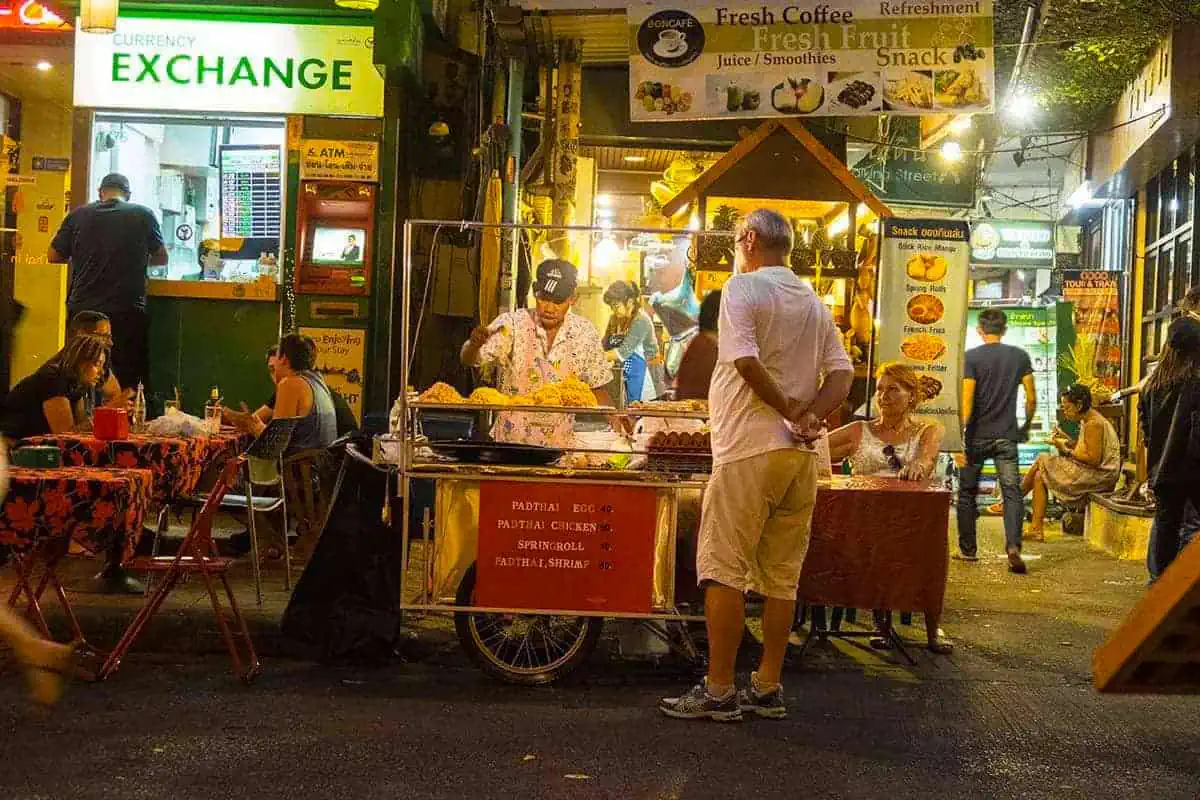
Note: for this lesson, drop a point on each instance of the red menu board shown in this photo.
(565, 547)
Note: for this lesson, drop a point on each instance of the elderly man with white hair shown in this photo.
(768, 402)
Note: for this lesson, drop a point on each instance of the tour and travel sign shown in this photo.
(260, 67)
(847, 58)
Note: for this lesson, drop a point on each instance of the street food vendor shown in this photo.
(538, 346)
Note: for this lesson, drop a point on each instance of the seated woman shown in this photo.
(895, 444)
(1091, 463)
(54, 399)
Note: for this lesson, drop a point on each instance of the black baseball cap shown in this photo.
(115, 180)
(556, 279)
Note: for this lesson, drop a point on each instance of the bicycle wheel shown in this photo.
(527, 649)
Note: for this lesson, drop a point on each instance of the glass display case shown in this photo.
(216, 186)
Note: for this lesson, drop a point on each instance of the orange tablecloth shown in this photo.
(879, 543)
(176, 462)
(93, 507)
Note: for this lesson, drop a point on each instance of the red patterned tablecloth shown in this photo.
(177, 462)
(92, 506)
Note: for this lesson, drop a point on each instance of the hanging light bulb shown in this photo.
(952, 151)
(98, 16)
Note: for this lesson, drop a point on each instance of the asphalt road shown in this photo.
(1010, 715)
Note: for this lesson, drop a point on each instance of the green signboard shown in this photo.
(901, 173)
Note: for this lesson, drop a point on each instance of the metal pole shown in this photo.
(511, 196)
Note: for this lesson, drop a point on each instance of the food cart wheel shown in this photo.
(529, 649)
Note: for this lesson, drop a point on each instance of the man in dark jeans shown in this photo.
(109, 244)
(993, 372)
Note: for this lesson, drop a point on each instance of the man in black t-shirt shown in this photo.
(993, 374)
(109, 245)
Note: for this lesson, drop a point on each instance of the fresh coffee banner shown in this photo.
(847, 58)
(924, 269)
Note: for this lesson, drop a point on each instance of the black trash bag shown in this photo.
(346, 604)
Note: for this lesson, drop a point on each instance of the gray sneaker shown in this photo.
(699, 704)
(768, 706)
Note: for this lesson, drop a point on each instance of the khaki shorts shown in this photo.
(755, 524)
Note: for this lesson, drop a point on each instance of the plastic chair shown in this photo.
(263, 468)
(196, 556)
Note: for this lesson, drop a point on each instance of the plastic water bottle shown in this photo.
(139, 409)
(212, 412)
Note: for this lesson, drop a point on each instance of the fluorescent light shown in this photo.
(1021, 107)
(635, 159)
(44, 66)
(961, 124)
(604, 199)
(1173, 205)
(952, 151)
(1084, 196)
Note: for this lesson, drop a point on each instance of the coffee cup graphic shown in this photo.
(672, 40)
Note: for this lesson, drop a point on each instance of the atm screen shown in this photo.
(339, 246)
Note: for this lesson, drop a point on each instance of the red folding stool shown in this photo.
(195, 557)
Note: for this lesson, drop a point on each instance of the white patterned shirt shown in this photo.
(518, 349)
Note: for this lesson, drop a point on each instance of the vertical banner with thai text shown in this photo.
(924, 269)
(1096, 355)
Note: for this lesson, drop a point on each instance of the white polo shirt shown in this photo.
(771, 315)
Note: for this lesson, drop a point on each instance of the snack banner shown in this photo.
(847, 58)
(924, 270)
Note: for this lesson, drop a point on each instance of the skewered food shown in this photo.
(856, 94)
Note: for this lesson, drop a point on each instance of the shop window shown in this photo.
(1148, 303)
(1167, 202)
(1185, 189)
(1183, 260)
(216, 187)
(1151, 211)
(1163, 278)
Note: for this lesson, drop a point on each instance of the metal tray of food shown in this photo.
(475, 452)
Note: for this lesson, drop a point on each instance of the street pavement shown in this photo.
(1011, 714)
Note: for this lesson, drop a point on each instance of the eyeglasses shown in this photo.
(893, 460)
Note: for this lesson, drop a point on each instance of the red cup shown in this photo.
(110, 423)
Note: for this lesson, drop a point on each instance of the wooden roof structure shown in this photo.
(779, 160)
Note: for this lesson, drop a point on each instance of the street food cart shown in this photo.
(532, 548)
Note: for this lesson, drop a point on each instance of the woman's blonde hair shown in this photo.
(904, 375)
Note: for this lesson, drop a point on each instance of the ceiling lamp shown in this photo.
(98, 16)
(358, 5)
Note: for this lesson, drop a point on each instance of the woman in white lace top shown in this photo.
(896, 443)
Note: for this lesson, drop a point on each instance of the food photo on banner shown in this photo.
(924, 272)
(850, 58)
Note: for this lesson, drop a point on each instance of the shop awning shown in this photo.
(779, 160)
